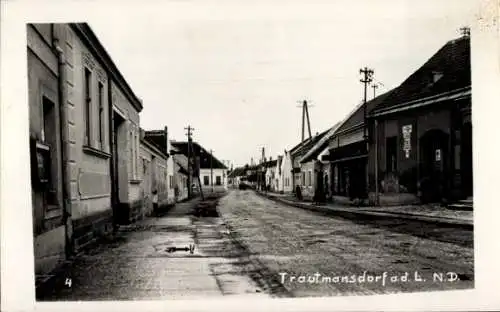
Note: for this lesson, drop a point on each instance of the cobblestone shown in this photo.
(137, 264)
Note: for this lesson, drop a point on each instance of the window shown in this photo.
(137, 150)
(171, 181)
(135, 154)
(49, 157)
(144, 166)
(48, 120)
(218, 180)
(88, 105)
(391, 154)
(303, 178)
(309, 178)
(101, 117)
(205, 180)
(131, 149)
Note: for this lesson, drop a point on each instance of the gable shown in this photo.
(448, 69)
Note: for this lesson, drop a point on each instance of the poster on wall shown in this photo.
(438, 155)
(407, 139)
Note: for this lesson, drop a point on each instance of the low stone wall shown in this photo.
(88, 229)
(395, 199)
(136, 210)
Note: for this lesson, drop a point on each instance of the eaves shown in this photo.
(85, 33)
(453, 95)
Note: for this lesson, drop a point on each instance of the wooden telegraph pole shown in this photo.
(305, 117)
(366, 80)
(198, 176)
(189, 134)
(211, 171)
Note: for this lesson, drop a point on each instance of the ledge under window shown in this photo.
(94, 151)
(135, 181)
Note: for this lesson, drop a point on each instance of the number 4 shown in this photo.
(68, 282)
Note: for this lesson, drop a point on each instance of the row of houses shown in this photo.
(412, 144)
(93, 167)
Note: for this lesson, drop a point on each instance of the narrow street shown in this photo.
(250, 245)
(150, 260)
(292, 242)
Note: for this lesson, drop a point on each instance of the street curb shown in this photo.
(373, 214)
(49, 281)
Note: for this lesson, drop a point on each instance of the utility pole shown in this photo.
(263, 179)
(211, 171)
(465, 31)
(197, 166)
(189, 134)
(305, 117)
(367, 79)
(375, 87)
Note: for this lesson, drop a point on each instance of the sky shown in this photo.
(237, 72)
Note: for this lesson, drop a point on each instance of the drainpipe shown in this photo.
(165, 134)
(377, 198)
(114, 158)
(64, 129)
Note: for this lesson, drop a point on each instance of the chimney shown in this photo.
(167, 147)
(436, 75)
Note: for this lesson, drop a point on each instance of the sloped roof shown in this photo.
(85, 32)
(322, 143)
(293, 149)
(156, 138)
(357, 117)
(237, 172)
(182, 163)
(198, 151)
(452, 62)
(308, 144)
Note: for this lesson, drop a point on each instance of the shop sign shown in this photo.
(407, 140)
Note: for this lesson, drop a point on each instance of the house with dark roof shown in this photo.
(234, 177)
(286, 173)
(211, 171)
(154, 177)
(271, 175)
(421, 142)
(312, 160)
(302, 174)
(159, 139)
(347, 153)
(181, 173)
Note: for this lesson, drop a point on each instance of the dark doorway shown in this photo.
(319, 190)
(49, 138)
(118, 122)
(357, 180)
(433, 165)
(467, 160)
